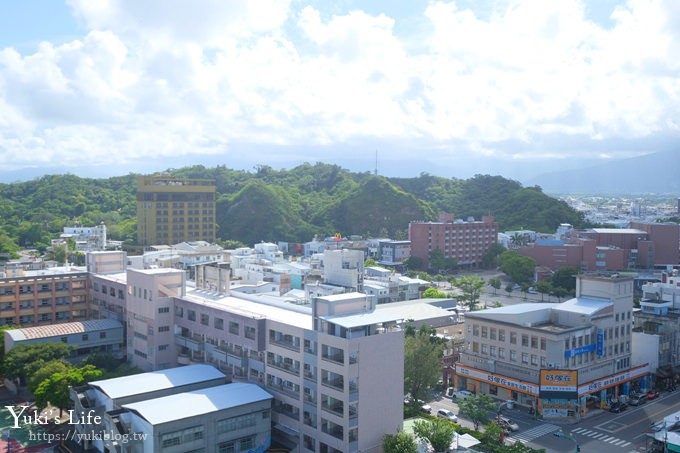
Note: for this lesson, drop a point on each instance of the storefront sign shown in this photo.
(613, 380)
(582, 350)
(600, 341)
(559, 384)
(495, 379)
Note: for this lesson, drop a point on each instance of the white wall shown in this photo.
(645, 349)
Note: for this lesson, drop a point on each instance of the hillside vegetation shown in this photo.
(270, 205)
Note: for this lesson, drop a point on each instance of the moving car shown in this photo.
(447, 414)
(652, 394)
(426, 408)
(507, 424)
(449, 392)
(617, 407)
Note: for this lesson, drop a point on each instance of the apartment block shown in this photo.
(507, 348)
(49, 296)
(172, 210)
(464, 241)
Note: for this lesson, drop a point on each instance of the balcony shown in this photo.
(309, 375)
(288, 344)
(338, 358)
(334, 408)
(285, 367)
(286, 389)
(337, 384)
(333, 430)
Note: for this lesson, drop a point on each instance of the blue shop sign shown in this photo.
(600, 341)
(582, 350)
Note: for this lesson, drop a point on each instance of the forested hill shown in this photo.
(271, 205)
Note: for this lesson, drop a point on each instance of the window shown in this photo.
(525, 358)
(205, 319)
(534, 342)
(485, 349)
(534, 359)
(513, 355)
(492, 333)
(501, 335)
(513, 337)
(501, 353)
(102, 335)
(250, 332)
(233, 327)
(492, 351)
(475, 347)
(163, 347)
(475, 330)
(191, 315)
(164, 329)
(85, 337)
(163, 310)
(543, 344)
(485, 332)
(525, 340)
(219, 323)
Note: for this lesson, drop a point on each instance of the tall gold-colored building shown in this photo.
(172, 210)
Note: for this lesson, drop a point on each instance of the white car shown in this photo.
(462, 394)
(507, 424)
(447, 414)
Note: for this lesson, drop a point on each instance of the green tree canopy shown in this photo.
(438, 432)
(422, 370)
(402, 442)
(477, 408)
(46, 371)
(565, 278)
(471, 287)
(433, 293)
(55, 389)
(519, 268)
(495, 283)
(24, 360)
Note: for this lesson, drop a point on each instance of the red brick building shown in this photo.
(464, 241)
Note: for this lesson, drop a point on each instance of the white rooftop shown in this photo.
(137, 384)
(198, 402)
(417, 310)
(274, 308)
(583, 305)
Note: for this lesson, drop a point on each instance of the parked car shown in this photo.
(638, 399)
(652, 394)
(449, 392)
(426, 408)
(507, 424)
(462, 394)
(617, 407)
(447, 414)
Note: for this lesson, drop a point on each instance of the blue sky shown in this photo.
(451, 88)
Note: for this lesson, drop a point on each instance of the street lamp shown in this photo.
(567, 436)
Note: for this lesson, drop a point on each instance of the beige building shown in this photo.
(506, 348)
(172, 210)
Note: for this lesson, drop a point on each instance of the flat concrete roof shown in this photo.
(619, 230)
(198, 402)
(583, 305)
(417, 310)
(137, 384)
(59, 330)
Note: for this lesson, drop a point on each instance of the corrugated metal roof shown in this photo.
(59, 330)
(198, 402)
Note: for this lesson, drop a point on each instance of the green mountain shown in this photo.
(268, 205)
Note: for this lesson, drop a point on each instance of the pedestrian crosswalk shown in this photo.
(603, 437)
(533, 433)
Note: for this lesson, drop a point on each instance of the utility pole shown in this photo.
(569, 437)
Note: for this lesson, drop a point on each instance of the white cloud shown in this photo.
(166, 78)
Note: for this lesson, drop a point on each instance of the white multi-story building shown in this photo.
(506, 348)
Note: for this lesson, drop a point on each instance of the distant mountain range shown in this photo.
(657, 173)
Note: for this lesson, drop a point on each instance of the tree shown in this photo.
(415, 263)
(519, 268)
(543, 287)
(489, 258)
(477, 408)
(524, 287)
(565, 277)
(50, 368)
(370, 262)
(438, 432)
(508, 288)
(437, 260)
(495, 283)
(472, 287)
(55, 389)
(519, 240)
(24, 360)
(433, 293)
(422, 370)
(402, 442)
(558, 292)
